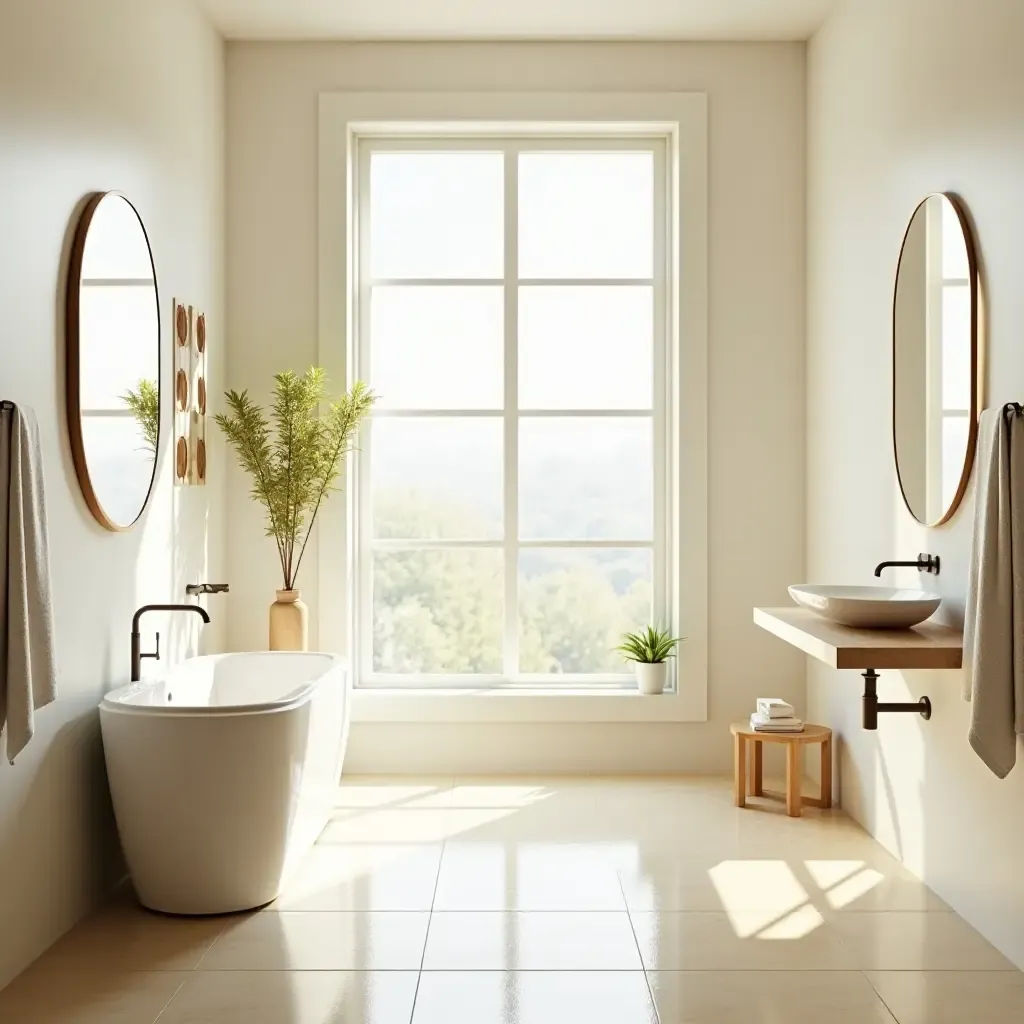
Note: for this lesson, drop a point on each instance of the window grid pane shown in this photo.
(544, 568)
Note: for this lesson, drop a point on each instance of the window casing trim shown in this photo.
(680, 121)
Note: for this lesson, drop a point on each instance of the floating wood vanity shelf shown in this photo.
(927, 646)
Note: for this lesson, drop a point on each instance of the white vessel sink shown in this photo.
(867, 607)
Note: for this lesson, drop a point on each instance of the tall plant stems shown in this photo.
(295, 465)
(343, 446)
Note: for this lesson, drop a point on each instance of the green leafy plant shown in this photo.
(649, 646)
(294, 455)
(144, 404)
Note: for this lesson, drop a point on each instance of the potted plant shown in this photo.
(649, 650)
(294, 457)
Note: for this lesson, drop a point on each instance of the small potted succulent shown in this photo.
(649, 650)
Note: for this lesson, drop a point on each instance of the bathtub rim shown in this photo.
(114, 702)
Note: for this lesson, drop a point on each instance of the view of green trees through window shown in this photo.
(441, 610)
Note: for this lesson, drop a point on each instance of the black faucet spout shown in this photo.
(137, 653)
(924, 563)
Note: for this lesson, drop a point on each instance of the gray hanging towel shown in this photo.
(28, 679)
(993, 676)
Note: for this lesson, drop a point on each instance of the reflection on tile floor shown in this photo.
(536, 901)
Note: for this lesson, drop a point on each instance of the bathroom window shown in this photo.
(510, 308)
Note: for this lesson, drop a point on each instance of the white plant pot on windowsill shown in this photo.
(651, 676)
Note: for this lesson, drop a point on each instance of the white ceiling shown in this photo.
(518, 19)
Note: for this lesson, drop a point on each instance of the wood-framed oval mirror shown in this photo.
(113, 360)
(937, 358)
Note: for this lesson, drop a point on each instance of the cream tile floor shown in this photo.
(545, 901)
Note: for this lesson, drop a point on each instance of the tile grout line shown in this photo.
(639, 953)
(206, 952)
(878, 995)
(174, 995)
(426, 936)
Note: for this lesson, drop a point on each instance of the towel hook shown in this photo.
(1015, 406)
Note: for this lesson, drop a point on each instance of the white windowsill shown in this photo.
(526, 705)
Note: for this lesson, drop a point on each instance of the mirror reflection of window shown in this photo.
(118, 360)
(934, 353)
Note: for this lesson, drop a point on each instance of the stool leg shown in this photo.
(757, 768)
(793, 800)
(826, 773)
(740, 771)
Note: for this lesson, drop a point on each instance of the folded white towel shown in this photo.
(993, 667)
(761, 724)
(768, 720)
(27, 667)
(775, 707)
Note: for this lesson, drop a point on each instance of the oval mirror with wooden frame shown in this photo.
(113, 360)
(936, 359)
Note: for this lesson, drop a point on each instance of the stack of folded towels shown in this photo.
(775, 715)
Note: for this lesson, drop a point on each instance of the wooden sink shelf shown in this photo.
(926, 646)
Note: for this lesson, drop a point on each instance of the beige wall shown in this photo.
(109, 94)
(908, 97)
(756, 111)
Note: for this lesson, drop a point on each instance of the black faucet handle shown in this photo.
(154, 654)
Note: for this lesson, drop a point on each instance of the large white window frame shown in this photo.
(352, 124)
(510, 282)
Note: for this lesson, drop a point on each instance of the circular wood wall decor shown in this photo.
(201, 332)
(201, 396)
(201, 459)
(181, 325)
(181, 458)
(181, 390)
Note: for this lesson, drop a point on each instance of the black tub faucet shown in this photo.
(924, 563)
(137, 654)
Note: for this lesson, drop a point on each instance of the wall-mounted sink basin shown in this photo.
(867, 607)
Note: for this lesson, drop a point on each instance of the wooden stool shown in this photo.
(743, 734)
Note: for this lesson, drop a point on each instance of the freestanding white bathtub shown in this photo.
(222, 775)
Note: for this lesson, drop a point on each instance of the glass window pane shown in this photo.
(437, 347)
(956, 347)
(119, 327)
(116, 246)
(586, 479)
(436, 215)
(586, 214)
(438, 611)
(574, 605)
(120, 464)
(955, 435)
(586, 348)
(437, 478)
(954, 248)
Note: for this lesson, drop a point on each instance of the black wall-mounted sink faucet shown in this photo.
(137, 654)
(924, 563)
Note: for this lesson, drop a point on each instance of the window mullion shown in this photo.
(663, 365)
(511, 453)
(361, 550)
